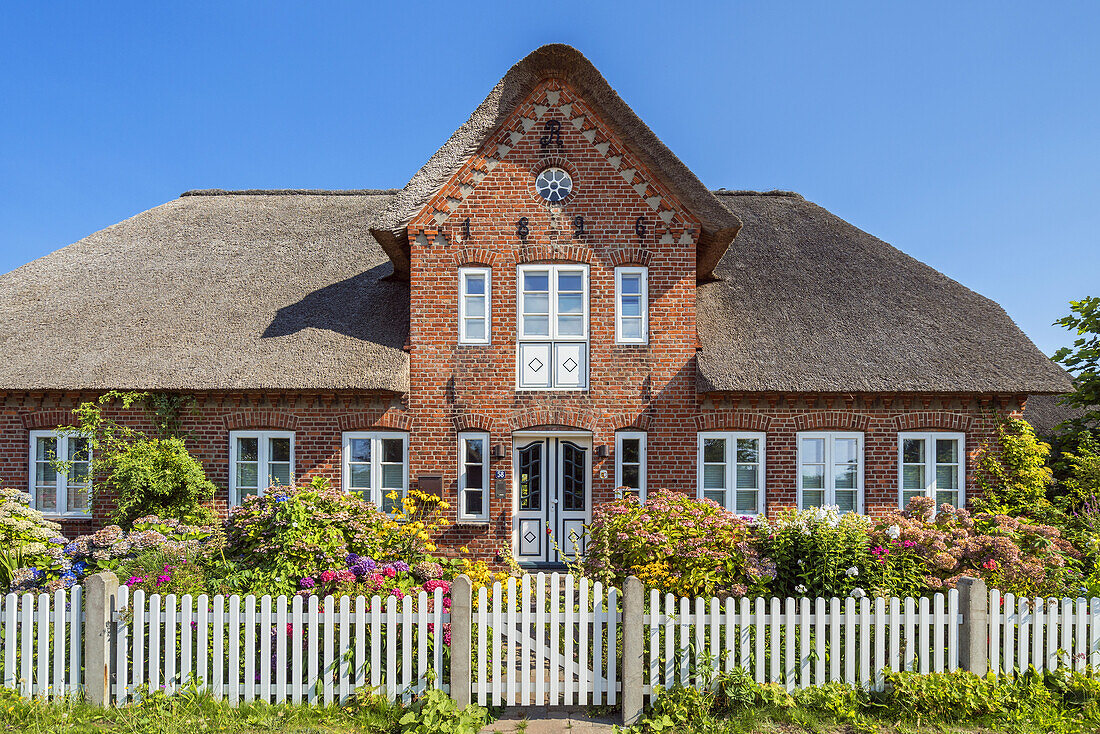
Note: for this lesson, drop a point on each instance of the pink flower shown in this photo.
(328, 576)
(391, 572)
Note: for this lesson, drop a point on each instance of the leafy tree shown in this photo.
(144, 475)
(1083, 359)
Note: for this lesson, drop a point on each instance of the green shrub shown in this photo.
(677, 544)
(143, 475)
(1013, 475)
(818, 552)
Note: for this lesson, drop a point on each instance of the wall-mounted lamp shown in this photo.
(601, 451)
(498, 451)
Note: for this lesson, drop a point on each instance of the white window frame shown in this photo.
(463, 439)
(376, 438)
(731, 437)
(553, 270)
(463, 274)
(62, 488)
(830, 466)
(263, 456)
(620, 436)
(930, 463)
(644, 287)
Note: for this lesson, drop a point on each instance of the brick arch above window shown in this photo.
(629, 256)
(932, 419)
(838, 419)
(475, 256)
(48, 419)
(548, 253)
(247, 419)
(732, 420)
(366, 421)
(641, 421)
(473, 422)
(532, 418)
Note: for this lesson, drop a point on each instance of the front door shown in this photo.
(552, 498)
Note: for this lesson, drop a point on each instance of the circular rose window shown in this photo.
(553, 184)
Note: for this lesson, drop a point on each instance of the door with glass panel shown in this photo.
(830, 470)
(731, 470)
(931, 465)
(552, 498)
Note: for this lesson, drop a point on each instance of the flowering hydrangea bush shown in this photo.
(677, 544)
(1009, 553)
(30, 543)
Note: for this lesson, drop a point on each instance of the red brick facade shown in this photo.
(455, 387)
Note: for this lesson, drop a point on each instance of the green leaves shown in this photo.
(1083, 358)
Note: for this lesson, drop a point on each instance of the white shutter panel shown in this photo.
(569, 363)
(534, 365)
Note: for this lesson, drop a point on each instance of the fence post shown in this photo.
(462, 617)
(100, 591)
(633, 609)
(974, 632)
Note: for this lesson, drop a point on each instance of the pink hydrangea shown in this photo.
(328, 576)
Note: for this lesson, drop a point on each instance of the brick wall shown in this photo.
(319, 421)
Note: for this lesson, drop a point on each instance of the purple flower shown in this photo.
(351, 560)
(306, 583)
(400, 566)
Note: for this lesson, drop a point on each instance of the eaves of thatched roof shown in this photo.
(563, 62)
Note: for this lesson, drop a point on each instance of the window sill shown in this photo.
(472, 523)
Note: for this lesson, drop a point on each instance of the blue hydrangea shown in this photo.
(71, 548)
(68, 579)
(351, 560)
(58, 541)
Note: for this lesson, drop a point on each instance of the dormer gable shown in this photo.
(557, 83)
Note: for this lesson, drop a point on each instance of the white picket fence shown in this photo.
(799, 642)
(541, 640)
(278, 650)
(1044, 633)
(42, 643)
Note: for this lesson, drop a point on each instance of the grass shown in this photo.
(195, 713)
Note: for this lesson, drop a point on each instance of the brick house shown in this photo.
(552, 308)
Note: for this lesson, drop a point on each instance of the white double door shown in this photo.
(551, 495)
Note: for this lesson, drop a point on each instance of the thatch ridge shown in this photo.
(289, 192)
(720, 225)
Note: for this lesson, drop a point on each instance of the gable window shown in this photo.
(630, 464)
(259, 460)
(376, 467)
(731, 470)
(931, 465)
(474, 305)
(830, 470)
(473, 477)
(60, 490)
(631, 305)
(552, 353)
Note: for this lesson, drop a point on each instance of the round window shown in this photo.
(553, 184)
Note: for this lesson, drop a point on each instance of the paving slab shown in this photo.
(551, 721)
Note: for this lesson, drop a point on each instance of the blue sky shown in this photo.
(965, 134)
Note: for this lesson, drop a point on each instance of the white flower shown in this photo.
(853, 571)
(893, 532)
(801, 588)
(858, 593)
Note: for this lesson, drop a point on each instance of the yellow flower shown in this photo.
(444, 506)
(463, 549)
(430, 547)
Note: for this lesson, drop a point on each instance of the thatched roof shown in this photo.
(1045, 413)
(564, 62)
(288, 291)
(806, 302)
(226, 292)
